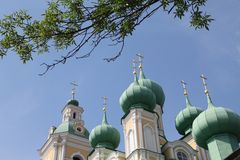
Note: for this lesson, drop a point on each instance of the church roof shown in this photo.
(70, 128)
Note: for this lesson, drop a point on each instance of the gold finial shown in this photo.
(134, 67)
(184, 85)
(140, 59)
(104, 104)
(74, 85)
(205, 84)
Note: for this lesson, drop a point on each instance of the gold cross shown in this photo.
(134, 66)
(184, 85)
(74, 85)
(140, 59)
(104, 104)
(204, 84)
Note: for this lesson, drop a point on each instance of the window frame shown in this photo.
(183, 155)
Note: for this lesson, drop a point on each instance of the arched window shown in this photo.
(149, 139)
(74, 115)
(130, 141)
(181, 156)
(77, 158)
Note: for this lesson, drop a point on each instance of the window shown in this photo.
(77, 158)
(130, 141)
(74, 115)
(149, 139)
(181, 156)
(79, 129)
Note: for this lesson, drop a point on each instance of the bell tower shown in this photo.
(160, 98)
(68, 141)
(140, 122)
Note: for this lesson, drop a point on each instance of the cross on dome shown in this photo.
(206, 90)
(185, 92)
(74, 85)
(184, 85)
(104, 104)
(140, 59)
(204, 84)
(134, 66)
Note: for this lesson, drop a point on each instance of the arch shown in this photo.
(182, 155)
(149, 138)
(180, 145)
(77, 156)
(130, 141)
(183, 151)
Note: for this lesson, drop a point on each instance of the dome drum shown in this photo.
(222, 145)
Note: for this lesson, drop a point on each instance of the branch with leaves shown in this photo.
(70, 25)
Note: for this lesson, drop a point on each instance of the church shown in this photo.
(211, 134)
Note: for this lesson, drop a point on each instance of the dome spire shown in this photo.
(74, 85)
(206, 90)
(135, 72)
(185, 93)
(140, 59)
(104, 121)
(73, 101)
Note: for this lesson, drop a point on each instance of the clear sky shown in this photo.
(173, 51)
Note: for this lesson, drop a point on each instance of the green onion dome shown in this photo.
(137, 96)
(213, 121)
(104, 135)
(185, 118)
(154, 87)
(73, 102)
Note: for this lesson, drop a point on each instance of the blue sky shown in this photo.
(173, 51)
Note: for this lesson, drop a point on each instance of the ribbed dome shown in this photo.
(73, 102)
(185, 118)
(213, 121)
(136, 96)
(104, 135)
(154, 87)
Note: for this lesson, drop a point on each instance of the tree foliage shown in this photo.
(72, 24)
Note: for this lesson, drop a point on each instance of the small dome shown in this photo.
(185, 118)
(73, 102)
(154, 87)
(104, 135)
(215, 120)
(136, 96)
